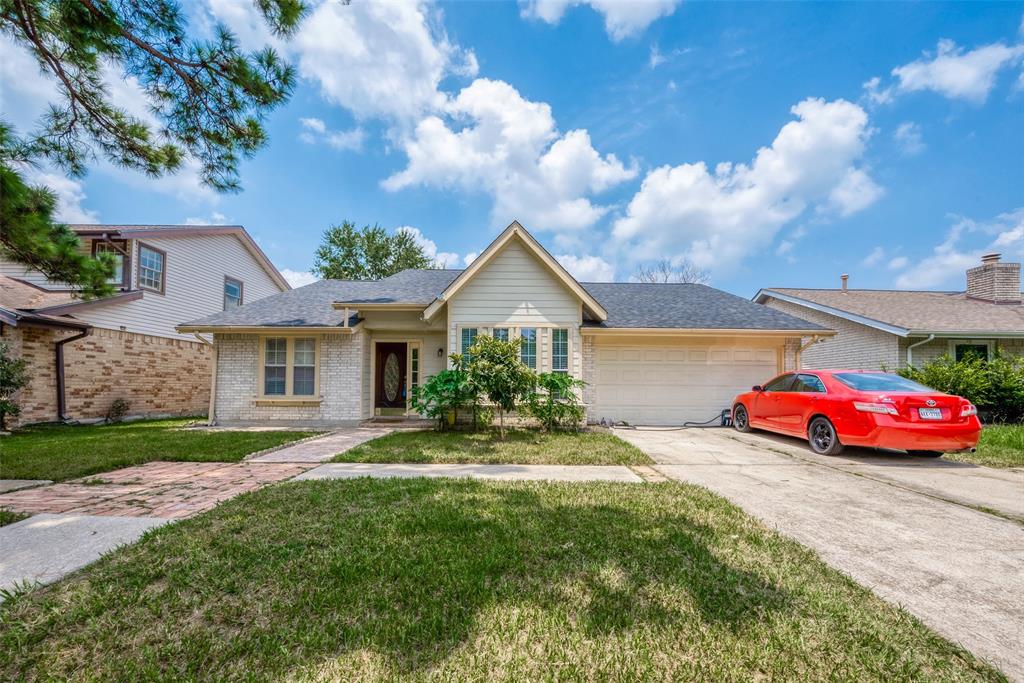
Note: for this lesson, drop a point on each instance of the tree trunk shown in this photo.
(501, 422)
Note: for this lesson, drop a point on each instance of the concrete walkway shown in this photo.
(7, 485)
(44, 548)
(957, 569)
(577, 473)
(325, 447)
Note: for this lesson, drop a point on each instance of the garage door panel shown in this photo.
(673, 384)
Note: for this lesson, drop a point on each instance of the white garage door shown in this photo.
(669, 385)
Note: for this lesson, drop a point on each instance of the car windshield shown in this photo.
(880, 381)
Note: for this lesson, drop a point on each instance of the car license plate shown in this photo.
(930, 413)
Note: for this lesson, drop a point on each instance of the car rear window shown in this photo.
(879, 381)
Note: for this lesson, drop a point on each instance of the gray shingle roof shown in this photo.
(693, 306)
(687, 306)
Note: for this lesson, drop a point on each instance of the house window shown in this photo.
(560, 350)
(152, 269)
(275, 366)
(289, 366)
(468, 339)
(118, 250)
(528, 350)
(414, 370)
(963, 350)
(501, 333)
(232, 293)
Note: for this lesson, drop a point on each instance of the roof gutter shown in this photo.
(910, 349)
(839, 313)
(59, 361)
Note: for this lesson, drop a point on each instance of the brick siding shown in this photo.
(155, 375)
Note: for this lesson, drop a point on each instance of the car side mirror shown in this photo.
(757, 387)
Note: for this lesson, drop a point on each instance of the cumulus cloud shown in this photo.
(622, 18)
(587, 268)
(299, 278)
(874, 258)
(215, 218)
(717, 217)
(510, 147)
(70, 195)
(908, 138)
(898, 263)
(950, 71)
(946, 264)
(316, 132)
(441, 259)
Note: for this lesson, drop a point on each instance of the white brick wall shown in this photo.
(855, 346)
(341, 367)
(589, 375)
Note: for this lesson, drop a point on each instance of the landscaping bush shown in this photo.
(13, 376)
(995, 386)
(556, 405)
(117, 410)
(443, 394)
(500, 374)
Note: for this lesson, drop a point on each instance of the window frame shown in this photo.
(790, 378)
(568, 351)
(989, 345)
(536, 347)
(126, 259)
(289, 376)
(163, 271)
(543, 339)
(796, 378)
(241, 291)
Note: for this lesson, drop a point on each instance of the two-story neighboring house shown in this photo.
(83, 355)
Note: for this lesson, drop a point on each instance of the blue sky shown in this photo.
(771, 144)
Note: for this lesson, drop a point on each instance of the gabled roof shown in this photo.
(512, 232)
(687, 306)
(906, 313)
(140, 231)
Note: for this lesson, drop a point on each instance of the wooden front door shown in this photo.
(390, 389)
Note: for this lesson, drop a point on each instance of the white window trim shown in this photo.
(989, 343)
(288, 395)
(545, 347)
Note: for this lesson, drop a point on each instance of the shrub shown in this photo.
(13, 376)
(444, 394)
(500, 375)
(996, 387)
(117, 410)
(556, 405)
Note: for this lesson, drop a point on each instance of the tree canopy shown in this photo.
(206, 94)
(367, 253)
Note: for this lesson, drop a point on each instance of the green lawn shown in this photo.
(420, 579)
(10, 516)
(1000, 446)
(65, 452)
(521, 446)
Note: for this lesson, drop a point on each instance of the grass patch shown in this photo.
(521, 447)
(1000, 446)
(10, 516)
(420, 579)
(61, 452)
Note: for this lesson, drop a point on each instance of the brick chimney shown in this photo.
(994, 281)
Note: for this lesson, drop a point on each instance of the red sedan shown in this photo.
(836, 408)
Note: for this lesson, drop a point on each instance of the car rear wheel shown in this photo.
(926, 454)
(822, 437)
(740, 419)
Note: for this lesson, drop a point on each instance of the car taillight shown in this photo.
(884, 408)
(968, 410)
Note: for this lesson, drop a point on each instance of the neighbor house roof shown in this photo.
(139, 231)
(16, 293)
(628, 305)
(908, 313)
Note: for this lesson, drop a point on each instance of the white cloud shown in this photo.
(875, 93)
(509, 147)
(70, 195)
(874, 258)
(316, 132)
(469, 258)
(215, 218)
(957, 74)
(946, 265)
(441, 259)
(299, 278)
(908, 137)
(898, 263)
(587, 268)
(622, 18)
(656, 59)
(717, 218)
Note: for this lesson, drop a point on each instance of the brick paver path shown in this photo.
(172, 490)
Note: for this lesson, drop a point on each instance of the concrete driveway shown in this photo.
(907, 528)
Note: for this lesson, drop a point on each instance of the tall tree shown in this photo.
(666, 271)
(207, 94)
(367, 253)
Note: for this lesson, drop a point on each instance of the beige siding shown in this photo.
(855, 346)
(926, 353)
(196, 267)
(516, 290)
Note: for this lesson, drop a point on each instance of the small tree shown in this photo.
(499, 373)
(557, 405)
(13, 376)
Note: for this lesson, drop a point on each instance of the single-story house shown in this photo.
(340, 352)
(881, 328)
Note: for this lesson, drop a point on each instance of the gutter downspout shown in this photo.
(211, 416)
(59, 362)
(910, 349)
(803, 347)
